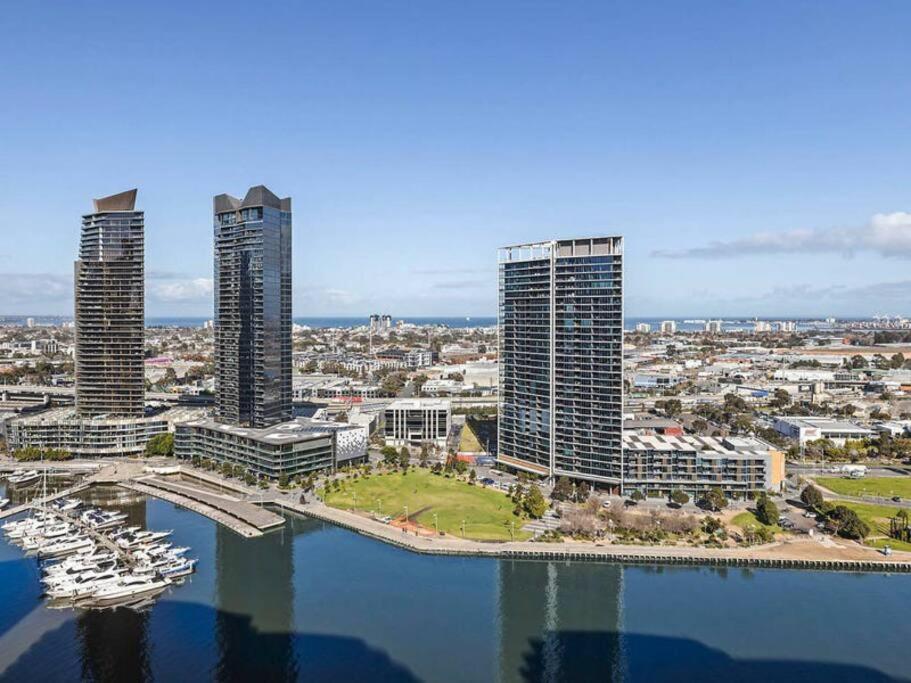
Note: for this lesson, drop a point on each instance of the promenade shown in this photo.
(795, 554)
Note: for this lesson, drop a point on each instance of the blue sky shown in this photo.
(753, 154)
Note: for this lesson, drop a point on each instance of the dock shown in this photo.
(240, 516)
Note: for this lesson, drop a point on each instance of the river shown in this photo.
(314, 602)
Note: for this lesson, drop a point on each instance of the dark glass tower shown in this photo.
(110, 309)
(253, 308)
(561, 358)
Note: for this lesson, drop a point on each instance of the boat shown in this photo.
(66, 504)
(142, 538)
(86, 585)
(129, 588)
(67, 547)
(24, 478)
(3, 503)
(184, 567)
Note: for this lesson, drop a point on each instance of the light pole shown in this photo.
(436, 526)
(355, 499)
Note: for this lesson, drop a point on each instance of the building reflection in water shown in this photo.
(115, 643)
(559, 621)
(254, 599)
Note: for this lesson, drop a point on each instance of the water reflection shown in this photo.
(255, 617)
(544, 606)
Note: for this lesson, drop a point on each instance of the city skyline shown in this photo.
(768, 182)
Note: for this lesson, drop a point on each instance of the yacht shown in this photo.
(128, 588)
(86, 584)
(24, 478)
(141, 538)
(3, 503)
(67, 546)
(181, 567)
(66, 504)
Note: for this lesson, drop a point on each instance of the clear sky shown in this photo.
(753, 154)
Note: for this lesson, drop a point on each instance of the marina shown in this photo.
(90, 559)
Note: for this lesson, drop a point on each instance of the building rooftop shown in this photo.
(706, 446)
(419, 404)
(298, 429)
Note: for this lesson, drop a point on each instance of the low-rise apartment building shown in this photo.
(656, 465)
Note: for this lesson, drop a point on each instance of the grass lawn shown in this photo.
(746, 518)
(885, 487)
(468, 442)
(877, 516)
(487, 513)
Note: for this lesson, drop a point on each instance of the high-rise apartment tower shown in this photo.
(253, 308)
(561, 358)
(110, 309)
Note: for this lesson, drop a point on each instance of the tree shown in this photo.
(811, 497)
(472, 476)
(679, 497)
(160, 444)
(534, 503)
(767, 511)
(636, 495)
(283, 481)
(847, 524)
(714, 499)
(858, 361)
(673, 407)
(390, 455)
(424, 455)
(404, 456)
(563, 490)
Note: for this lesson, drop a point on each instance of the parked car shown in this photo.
(897, 499)
(487, 481)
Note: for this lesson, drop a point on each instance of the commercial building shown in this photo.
(253, 308)
(110, 309)
(417, 421)
(656, 465)
(806, 429)
(653, 380)
(560, 351)
(293, 448)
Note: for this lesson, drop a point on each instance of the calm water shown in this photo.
(317, 603)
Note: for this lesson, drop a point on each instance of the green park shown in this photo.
(884, 487)
(437, 501)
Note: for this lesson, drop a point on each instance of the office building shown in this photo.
(561, 354)
(253, 308)
(416, 421)
(110, 309)
(295, 448)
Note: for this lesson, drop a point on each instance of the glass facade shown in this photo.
(253, 308)
(110, 310)
(561, 358)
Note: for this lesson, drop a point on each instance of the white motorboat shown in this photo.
(142, 538)
(66, 547)
(66, 504)
(3, 503)
(24, 478)
(86, 584)
(128, 588)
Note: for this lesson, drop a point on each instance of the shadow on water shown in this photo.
(114, 647)
(600, 656)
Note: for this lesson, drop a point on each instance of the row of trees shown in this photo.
(528, 500)
(33, 454)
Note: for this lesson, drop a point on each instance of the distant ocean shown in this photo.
(729, 323)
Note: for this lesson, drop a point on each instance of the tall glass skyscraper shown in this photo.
(561, 358)
(110, 309)
(253, 308)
